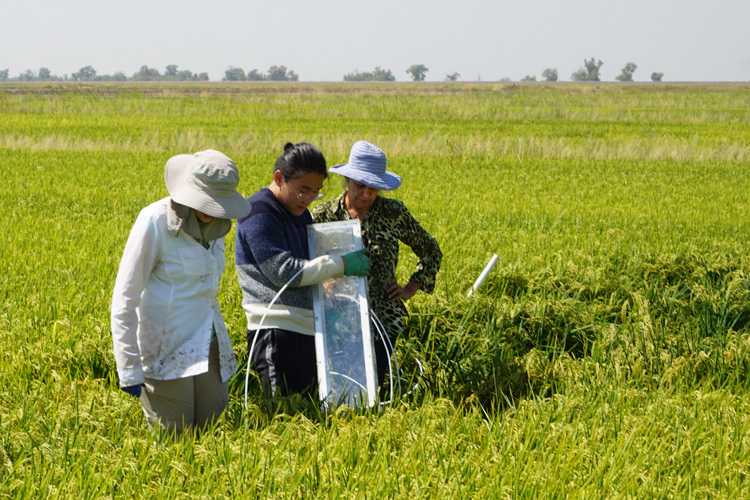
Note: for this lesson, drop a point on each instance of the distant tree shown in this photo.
(382, 75)
(234, 75)
(44, 75)
(418, 72)
(588, 74)
(119, 77)
(626, 74)
(280, 74)
(87, 73)
(277, 73)
(580, 75)
(656, 77)
(203, 77)
(356, 76)
(27, 76)
(453, 77)
(505, 79)
(146, 74)
(171, 71)
(255, 76)
(550, 74)
(185, 75)
(529, 78)
(593, 69)
(377, 75)
(4, 75)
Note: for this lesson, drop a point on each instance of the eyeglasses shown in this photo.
(311, 196)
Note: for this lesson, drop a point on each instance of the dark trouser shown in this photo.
(384, 360)
(285, 362)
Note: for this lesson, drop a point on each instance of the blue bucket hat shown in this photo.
(367, 165)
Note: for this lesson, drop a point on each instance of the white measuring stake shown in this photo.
(484, 274)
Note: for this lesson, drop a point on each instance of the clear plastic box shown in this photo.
(343, 343)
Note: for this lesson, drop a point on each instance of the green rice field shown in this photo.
(606, 356)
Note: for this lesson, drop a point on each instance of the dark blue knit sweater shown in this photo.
(271, 246)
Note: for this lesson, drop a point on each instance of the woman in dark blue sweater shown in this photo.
(271, 251)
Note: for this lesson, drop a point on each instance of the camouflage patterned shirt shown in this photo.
(387, 223)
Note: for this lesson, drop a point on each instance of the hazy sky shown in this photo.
(687, 40)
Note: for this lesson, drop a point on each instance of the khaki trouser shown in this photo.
(175, 405)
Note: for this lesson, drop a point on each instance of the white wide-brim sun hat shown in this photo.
(206, 181)
(367, 164)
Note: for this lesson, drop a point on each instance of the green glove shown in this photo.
(356, 263)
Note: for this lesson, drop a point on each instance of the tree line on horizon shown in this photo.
(89, 74)
(590, 71)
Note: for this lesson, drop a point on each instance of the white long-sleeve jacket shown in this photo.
(165, 303)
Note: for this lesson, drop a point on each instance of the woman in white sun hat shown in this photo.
(385, 223)
(170, 342)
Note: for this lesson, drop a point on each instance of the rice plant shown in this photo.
(606, 356)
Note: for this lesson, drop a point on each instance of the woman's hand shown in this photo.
(397, 292)
(329, 289)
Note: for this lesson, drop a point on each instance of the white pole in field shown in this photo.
(484, 274)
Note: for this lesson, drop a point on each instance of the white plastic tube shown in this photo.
(484, 274)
